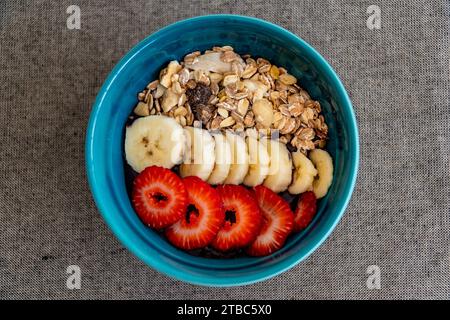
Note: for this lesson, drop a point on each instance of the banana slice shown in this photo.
(239, 159)
(259, 162)
(154, 140)
(200, 157)
(280, 168)
(223, 158)
(304, 173)
(324, 165)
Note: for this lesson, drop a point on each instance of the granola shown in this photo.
(224, 90)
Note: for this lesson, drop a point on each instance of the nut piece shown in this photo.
(183, 76)
(274, 72)
(177, 88)
(142, 109)
(160, 89)
(182, 100)
(152, 85)
(215, 123)
(210, 62)
(169, 100)
(242, 106)
(262, 109)
(255, 87)
(223, 112)
(172, 68)
(227, 122)
(249, 121)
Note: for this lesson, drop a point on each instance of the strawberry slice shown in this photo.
(278, 222)
(159, 197)
(203, 218)
(242, 218)
(306, 210)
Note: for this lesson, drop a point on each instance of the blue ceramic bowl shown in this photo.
(117, 97)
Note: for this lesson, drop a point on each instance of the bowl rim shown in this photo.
(170, 271)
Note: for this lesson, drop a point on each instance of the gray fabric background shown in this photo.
(397, 77)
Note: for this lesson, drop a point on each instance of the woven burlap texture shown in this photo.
(397, 78)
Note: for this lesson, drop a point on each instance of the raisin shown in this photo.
(198, 96)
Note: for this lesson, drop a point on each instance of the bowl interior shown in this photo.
(140, 66)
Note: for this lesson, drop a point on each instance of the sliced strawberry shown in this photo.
(278, 221)
(159, 197)
(242, 218)
(306, 209)
(203, 218)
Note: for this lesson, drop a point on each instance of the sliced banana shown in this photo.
(324, 165)
(154, 140)
(200, 158)
(239, 159)
(223, 158)
(280, 167)
(304, 173)
(258, 162)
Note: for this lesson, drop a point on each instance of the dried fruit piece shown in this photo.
(288, 79)
(198, 95)
(274, 72)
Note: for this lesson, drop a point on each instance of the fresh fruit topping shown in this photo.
(242, 218)
(259, 162)
(154, 140)
(200, 158)
(222, 152)
(159, 197)
(203, 217)
(278, 222)
(324, 165)
(306, 210)
(304, 173)
(280, 169)
(239, 156)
